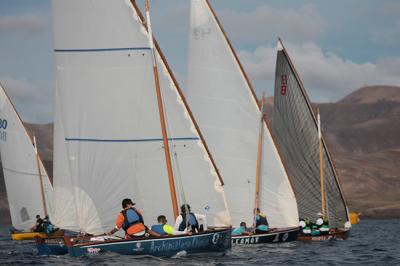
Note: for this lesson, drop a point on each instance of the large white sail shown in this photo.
(108, 127)
(228, 114)
(20, 167)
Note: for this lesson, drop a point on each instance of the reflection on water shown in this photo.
(372, 242)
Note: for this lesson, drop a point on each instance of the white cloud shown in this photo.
(326, 76)
(265, 22)
(33, 100)
(22, 23)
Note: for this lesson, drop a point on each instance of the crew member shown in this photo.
(38, 227)
(188, 220)
(262, 225)
(131, 220)
(163, 229)
(48, 227)
(241, 230)
(324, 228)
(320, 220)
(302, 223)
(307, 228)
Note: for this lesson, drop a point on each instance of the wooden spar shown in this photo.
(182, 96)
(162, 118)
(259, 154)
(40, 177)
(321, 166)
(259, 160)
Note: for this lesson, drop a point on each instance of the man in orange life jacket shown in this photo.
(131, 220)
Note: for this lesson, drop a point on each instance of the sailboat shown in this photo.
(28, 186)
(305, 150)
(123, 129)
(228, 113)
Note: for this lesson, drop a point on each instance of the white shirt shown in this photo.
(302, 224)
(201, 219)
(320, 222)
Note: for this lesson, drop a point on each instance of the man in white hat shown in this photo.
(320, 219)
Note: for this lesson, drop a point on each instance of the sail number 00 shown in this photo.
(3, 126)
(3, 123)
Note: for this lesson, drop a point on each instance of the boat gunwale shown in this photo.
(70, 243)
(279, 230)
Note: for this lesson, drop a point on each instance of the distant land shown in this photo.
(363, 133)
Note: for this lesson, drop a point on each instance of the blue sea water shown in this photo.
(372, 242)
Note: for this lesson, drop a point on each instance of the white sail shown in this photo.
(20, 168)
(108, 127)
(228, 115)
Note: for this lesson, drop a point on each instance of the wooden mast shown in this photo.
(40, 177)
(259, 160)
(162, 117)
(321, 165)
(259, 154)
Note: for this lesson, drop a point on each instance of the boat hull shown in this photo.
(51, 246)
(20, 236)
(274, 236)
(337, 234)
(26, 236)
(215, 241)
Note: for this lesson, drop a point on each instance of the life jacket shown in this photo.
(306, 230)
(159, 229)
(315, 232)
(131, 217)
(192, 222)
(261, 220)
(48, 227)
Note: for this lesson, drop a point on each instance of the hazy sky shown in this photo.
(337, 46)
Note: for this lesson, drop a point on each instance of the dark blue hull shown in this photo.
(214, 241)
(51, 246)
(274, 236)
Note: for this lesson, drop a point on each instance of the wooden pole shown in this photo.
(162, 118)
(321, 165)
(40, 177)
(259, 157)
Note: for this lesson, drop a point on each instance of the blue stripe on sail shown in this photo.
(128, 140)
(101, 49)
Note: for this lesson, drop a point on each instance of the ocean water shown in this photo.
(372, 242)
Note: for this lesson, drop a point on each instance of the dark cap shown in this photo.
(184, 207)
(126, 202)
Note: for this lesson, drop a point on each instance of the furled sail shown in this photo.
(296, 129)
(108, 126)
(228, 113)
(28, 192)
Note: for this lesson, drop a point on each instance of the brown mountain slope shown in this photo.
(363, 132)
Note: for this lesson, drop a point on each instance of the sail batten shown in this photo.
(296, 127)
(228, 113)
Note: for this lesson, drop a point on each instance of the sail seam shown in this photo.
(101, 49)
(20, 172)
(128, 140)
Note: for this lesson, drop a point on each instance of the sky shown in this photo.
(336, 46)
